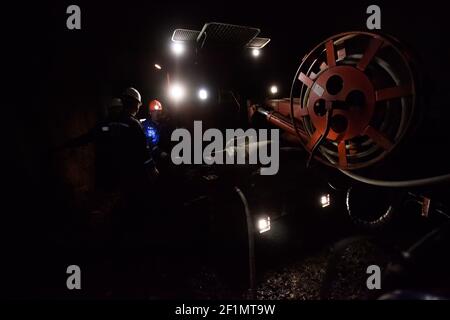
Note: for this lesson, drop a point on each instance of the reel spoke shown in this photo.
(313, 140)
(342, 151)
(371, 51)
(393, 92)
(305, 79)
(331, 58)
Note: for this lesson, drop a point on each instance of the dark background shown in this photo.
(58, 81)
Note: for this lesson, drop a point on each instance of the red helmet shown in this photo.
(155, 105)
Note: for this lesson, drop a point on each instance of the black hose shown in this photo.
(251, 243)
(401, 183)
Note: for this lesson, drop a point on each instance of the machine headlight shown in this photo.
(202, 94)
(177, 92)
(178, 48)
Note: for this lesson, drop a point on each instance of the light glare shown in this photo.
(177, 92)
(325, 200)
(264, 224)
(203, 94)
(177, 48)
(273, 89)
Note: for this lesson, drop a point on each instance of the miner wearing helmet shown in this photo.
(135, 155)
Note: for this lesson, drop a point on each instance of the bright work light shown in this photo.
(264, 224)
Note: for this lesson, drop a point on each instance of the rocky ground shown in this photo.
(303, 279)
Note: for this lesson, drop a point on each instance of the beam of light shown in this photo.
(157, 66)
(177, 48)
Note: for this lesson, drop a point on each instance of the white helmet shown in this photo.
(133, 93)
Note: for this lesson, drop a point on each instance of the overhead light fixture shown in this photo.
(202, 94)
(256, 53)
(273, 89)
(177, 92)
(177, 48)
(264, 224)
(325, 200)
(157, 66)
